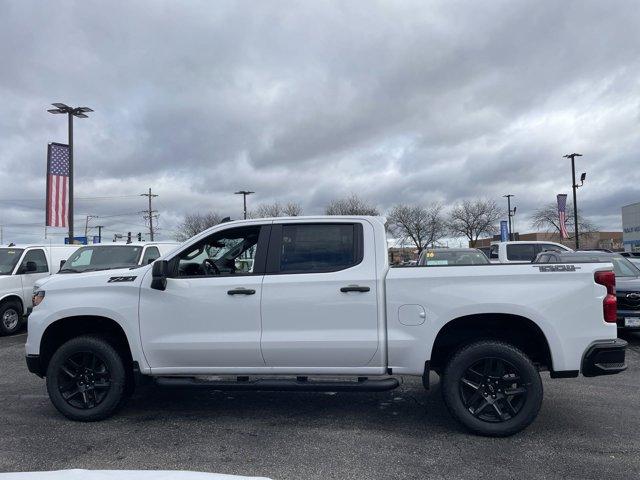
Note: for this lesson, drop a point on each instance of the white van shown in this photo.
(20, 267)
(522, 251)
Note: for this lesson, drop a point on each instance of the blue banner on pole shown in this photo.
(76, 240)
(504, 230)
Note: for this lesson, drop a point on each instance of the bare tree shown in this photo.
(473, 218)
(352, 205)
(547, 219)
(421, 225)
(276, 209)
(195, 223)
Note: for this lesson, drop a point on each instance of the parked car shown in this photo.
(627, 281)
(20, 267)
(522, 252)
(319, 299)
(452, 256)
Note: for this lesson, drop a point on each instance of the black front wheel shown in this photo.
(492, 388)
(86, 379)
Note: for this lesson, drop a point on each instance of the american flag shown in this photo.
(562, 214)
(57, 185)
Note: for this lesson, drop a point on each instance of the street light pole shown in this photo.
(508, 197)
(572, 156)
(71, 112)
(244, 194)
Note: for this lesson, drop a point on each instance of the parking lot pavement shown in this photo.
(588, 428)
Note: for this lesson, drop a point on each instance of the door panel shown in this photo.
(196, 323)
(307, 321)
(209, 314)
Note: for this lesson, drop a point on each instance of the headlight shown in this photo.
(38, 297)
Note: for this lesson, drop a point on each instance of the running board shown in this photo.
(281, 384)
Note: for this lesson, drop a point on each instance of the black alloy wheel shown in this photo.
(84, 380)
(492, 390)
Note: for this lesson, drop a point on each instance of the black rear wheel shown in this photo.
(492, 388)
(86, 379)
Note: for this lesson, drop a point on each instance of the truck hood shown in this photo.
(91, 279)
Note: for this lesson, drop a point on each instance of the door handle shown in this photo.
(241, 291)
(354, 288)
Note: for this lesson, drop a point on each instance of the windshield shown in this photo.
(447, 257)
(102, 258)
(623, 267)
(8, 259)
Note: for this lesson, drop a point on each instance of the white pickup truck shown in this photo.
(310, 303)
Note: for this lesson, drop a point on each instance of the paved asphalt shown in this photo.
(587, 428)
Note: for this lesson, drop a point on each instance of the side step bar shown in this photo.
(282, 384)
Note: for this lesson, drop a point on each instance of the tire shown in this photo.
(10, 317)
(86, 379)
(492, 388)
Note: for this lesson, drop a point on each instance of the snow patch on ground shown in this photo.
(122, 475)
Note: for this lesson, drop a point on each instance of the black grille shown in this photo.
(628, 303)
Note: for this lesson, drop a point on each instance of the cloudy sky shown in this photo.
(403, 101)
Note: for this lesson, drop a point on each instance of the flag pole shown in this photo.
(70, 219)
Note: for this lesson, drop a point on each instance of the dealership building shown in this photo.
(631, 227)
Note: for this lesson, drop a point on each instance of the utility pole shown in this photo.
(71, 112)
(99, 227)
(150, 213)
(511, 213)
(86, 224)
(572, 156)
(244, 194)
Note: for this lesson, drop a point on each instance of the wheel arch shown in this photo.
(70, 327)
(13, 296)
(514, 329)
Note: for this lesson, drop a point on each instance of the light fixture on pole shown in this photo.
(575, 186)
(244, 194)
(71, 112)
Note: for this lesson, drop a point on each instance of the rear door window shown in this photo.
(521, 252)
(314, 248)
(493, 254)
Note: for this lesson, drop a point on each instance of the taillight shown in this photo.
(610, 303)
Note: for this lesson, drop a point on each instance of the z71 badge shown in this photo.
(558, 268)
(121, 279)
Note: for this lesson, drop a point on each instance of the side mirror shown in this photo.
(62, 262)
(151, 260)
(159, 273)
(30, 267)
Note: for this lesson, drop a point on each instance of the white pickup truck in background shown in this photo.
(521, 251)
(310, 303)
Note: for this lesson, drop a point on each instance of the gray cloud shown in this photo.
(400, 101)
